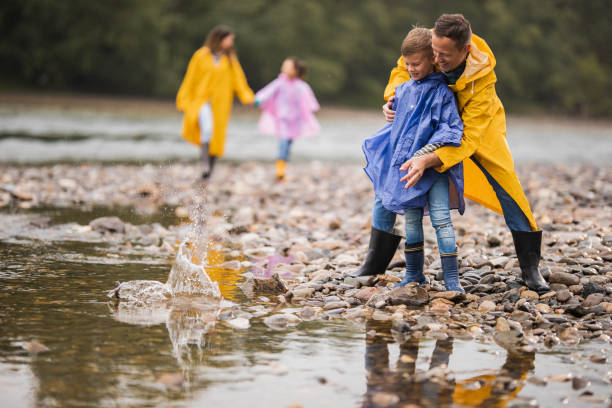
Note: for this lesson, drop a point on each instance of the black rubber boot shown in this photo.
(380, 252)
(527, 245)
(208, 161)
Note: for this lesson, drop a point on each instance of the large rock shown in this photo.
(408, 295)
(273, 284)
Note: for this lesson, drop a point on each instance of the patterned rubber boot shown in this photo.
(415, 259)
(450, 270)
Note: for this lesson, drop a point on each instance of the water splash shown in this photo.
(188, 278)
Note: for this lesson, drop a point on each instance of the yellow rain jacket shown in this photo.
(216, 84)
(484, 133)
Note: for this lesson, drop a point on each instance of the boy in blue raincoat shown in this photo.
(426, 118)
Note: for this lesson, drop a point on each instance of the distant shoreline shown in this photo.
(135, 104)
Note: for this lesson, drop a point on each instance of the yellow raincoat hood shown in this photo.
(484, 134)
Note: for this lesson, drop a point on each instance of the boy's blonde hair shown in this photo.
(417, 40)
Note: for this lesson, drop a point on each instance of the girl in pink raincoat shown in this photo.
(288, 105)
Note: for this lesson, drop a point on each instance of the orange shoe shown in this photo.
(280, 169)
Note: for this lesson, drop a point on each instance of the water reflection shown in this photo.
(188, 321)
(194, 309)
(436, 385)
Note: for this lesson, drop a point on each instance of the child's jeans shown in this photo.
(284, 147)
(439, 212)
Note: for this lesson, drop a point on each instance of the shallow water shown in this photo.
(41, 134)
(55, 291)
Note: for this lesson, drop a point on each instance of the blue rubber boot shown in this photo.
(415, 258)
(450, 270)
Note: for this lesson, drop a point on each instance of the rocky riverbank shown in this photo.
(296, 241)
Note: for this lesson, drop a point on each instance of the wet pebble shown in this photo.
(35, 347)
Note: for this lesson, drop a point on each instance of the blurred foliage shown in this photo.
(552, 55)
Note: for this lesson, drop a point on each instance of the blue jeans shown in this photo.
(516, 220)
(439, 212)
(284, 146)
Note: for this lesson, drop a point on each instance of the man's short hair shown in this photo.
(454, 26)
(417, 40)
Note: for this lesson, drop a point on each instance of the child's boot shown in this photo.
(415, 259)
(280, 169)
(450, 270)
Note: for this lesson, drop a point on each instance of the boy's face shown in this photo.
(446, 53)
(419, 64)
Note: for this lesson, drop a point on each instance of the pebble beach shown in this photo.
(317, 225)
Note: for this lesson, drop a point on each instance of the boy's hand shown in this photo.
(387, 111)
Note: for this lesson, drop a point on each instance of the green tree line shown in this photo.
(552, 55)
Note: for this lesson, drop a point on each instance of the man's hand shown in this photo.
(416, 167)
(387, 111)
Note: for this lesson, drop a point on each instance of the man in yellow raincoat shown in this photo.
(206, 94)
(489, 174)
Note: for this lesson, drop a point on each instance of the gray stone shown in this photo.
(591, 288)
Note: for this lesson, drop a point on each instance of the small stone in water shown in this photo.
(597, 359)
(171, 380)
(537, 381)
(35, 347)
(239, 323)
(406, 359)
(560, 377)
(385, 399)
(578, 383)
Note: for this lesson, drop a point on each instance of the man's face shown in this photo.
(446, 53)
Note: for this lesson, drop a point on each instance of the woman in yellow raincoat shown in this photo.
(489, 174)
(207, 92)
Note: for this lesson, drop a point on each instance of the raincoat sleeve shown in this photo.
(477, 116)
(266, 94)
(309, 101)
(398, 76)
(445, 117)
(241, 87)
(188, 87)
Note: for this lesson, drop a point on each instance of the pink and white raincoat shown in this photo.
(288, 109)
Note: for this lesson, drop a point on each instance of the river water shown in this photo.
(38, 134)
(53, 289)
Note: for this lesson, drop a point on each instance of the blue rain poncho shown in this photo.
(425, 112)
